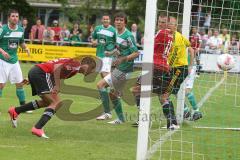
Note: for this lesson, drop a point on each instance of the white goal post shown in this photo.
(145, 102)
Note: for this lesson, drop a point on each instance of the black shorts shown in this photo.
(160, 81)
(41, 82)
(178, 75)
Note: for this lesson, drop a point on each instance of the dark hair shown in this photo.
(105, 14)
(121, 15)
(12, 11)
(90, 61)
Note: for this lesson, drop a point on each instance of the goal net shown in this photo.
(217, 93)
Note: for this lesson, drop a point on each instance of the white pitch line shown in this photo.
(218, 128)
(11, 146)
(209, 93)
(167, 135)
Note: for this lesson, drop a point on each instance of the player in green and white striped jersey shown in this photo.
(104, 37)
(11, 35)
(123, 65)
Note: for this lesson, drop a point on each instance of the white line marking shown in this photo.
(11, 146)
(218, 128)
(167, 135)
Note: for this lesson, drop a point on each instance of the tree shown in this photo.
(23, 7)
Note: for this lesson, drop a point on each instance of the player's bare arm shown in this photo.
(5, 54)
(57, 70)
(24, 46)
(126, 58)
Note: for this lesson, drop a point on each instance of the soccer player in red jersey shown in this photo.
(45, 79)
(161, 77)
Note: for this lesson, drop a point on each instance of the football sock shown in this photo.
(47, 115)
(137, 99)
(192, 100)
(105, 99)
(118, 109)
(168, 111)
(27, 107)
(0, 92)
(21, 95)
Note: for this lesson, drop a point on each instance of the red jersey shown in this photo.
(69, 69)
(195, 40)
(162, 45)
(57, 31)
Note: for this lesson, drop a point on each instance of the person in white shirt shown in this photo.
(214, 44)
(136, 34)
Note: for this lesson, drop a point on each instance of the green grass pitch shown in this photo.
(94, 140)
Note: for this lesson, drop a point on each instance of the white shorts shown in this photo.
(11, 72)
(191, 77)
(106, 64)
(117, 79)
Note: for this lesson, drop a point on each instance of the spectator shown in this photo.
(37, 30)
(0, 24)
(76, 30)
(234, 46)
(89, 33)
(204, 38)
(48, 36)
(195, 40)
(207, 22)
(76, 35)
(225, 39)
(27, 28)
(136, 33)
(214, 44)
(198, 18)
(64, 34)
(56, 30)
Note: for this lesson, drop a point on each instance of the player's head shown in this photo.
(106, 20)
(172, 24)
(88, 65)
(13, 16)
(162, 22)
(120, 20)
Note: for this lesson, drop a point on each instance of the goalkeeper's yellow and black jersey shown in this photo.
(178, 55)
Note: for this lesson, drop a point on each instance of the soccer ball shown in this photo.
(225, 62)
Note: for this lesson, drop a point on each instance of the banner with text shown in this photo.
(43, 53)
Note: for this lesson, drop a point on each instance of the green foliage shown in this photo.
(23, 7)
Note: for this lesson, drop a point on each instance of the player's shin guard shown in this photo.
(47, 115)
(27, 107)
(118, 108)
(168, 111)
(105, 99)
(21, 95)
(192, 101)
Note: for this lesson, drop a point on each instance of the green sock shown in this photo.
(192, 100)
(21, 95)
(118, 109)
(105, 100)
(0, 92)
